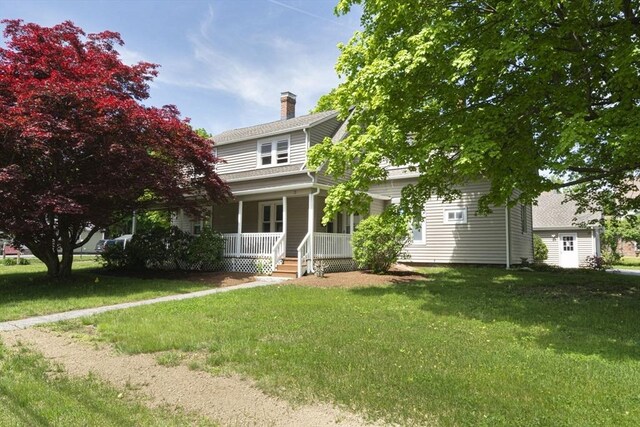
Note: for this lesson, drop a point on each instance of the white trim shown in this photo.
(507, 230)
(255, 177)
(445, 215)
(575, 250)
(274, 151)
(273, 220)
(274, 189)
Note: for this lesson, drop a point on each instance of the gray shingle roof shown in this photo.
(272, 128)
(551, 212)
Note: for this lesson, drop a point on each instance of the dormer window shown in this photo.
(273, 152)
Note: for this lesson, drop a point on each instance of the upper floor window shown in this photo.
(455, 216)
(273, 152)
(523, 218)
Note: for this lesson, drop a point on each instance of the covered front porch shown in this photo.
(265, 231)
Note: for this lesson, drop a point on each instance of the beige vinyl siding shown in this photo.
(242, 156)
(298, 147)
(225, 218)
(521, 242)
(324, 129)
(182, 221)
(239, 156)
(482, 240)
(584, 244)
(376, 207)
(297, 214)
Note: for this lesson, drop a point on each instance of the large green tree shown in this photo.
(502, 90)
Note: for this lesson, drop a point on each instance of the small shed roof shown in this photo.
(552, 211)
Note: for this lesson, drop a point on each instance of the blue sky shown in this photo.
(223, 62)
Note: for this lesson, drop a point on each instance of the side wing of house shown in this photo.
(452, 232)
(585, 245)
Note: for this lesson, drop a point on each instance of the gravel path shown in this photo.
(231, 401)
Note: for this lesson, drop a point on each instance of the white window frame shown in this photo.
(272, 221)
(274, 151)
(445, 215)
(423, 232)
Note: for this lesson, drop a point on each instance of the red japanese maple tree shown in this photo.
(78, 148)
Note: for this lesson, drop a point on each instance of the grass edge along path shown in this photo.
(35, 392)
(26, 292)
(468, 346)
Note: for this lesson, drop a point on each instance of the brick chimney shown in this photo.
(287, 105)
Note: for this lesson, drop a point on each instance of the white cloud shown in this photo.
(255, 69)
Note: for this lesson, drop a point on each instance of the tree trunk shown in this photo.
(66, 263)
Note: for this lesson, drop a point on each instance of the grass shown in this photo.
(463, 347)
(628, 263)
(25, 290)
(33, 392)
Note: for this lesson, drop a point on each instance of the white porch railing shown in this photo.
(279, 250)
(303, 255)
(332, 245)
(325, 246)
(251, 244)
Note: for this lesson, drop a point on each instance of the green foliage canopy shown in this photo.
(499, 90)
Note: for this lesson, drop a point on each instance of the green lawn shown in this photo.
(628, 263)
(25, 291)
(463, 347)
(35, 393)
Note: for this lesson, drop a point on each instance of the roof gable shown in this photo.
(552, 211)
(272, 128)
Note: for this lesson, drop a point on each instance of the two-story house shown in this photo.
(274, 224)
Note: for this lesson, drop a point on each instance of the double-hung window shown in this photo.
(455, 216)
(273, 152)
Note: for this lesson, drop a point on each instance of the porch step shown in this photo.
(288, 268)
(289, 274)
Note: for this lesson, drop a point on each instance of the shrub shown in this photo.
(167, 248)
(540, 250)
(14, 261)
(610, 257)
(595, 262)
(379, 240)
(206, 250)
(114, 257)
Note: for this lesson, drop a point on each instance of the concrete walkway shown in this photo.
(626, 272)
(13, 325)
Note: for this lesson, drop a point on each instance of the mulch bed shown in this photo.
(358, 279)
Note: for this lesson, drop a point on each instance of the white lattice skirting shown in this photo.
(248, 265)
(338, 265)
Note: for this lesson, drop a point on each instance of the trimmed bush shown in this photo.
(206, 250)
(540, 250)
(167, 248)
(380, 239)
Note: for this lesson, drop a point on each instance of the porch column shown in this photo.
(284, 223)
(239, 241)
(310, 227)
(351, 224)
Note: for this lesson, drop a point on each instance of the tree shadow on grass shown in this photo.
(584, 312)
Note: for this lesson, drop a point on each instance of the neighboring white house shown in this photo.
(274, 223)
(90, 246)
(570, 238)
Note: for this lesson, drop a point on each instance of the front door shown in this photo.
(271, 216)
(568, 250)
